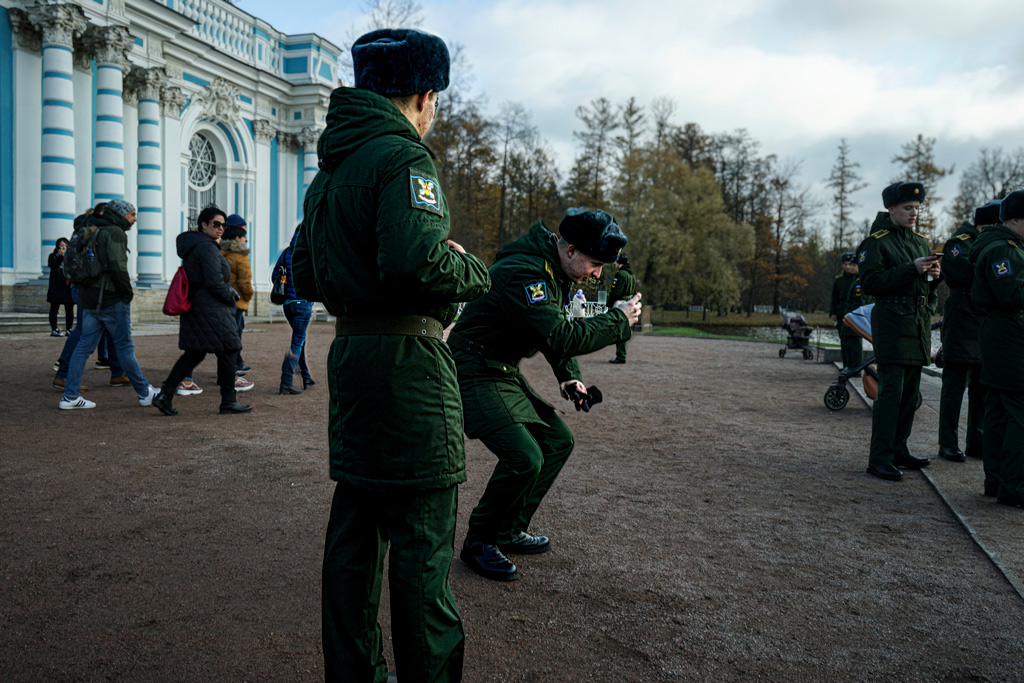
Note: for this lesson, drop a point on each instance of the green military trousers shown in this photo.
(1003, 452)
(892, 416)
(956, 377)
(620, 352)
(851, 347)
(530, 456)
(426, 627)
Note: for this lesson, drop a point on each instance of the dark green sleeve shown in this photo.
(1005, 276)
(116, 253)
(303, 269)
(878, 274)
(834, 308)
(957, 270)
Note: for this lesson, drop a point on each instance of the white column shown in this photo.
(263, 250)
(145, 85)
(109, 46)
(308, 138)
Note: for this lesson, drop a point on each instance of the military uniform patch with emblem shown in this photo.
(1002, 268)
(954, 252)
(862, 258)
(537, 293)
(425, 192)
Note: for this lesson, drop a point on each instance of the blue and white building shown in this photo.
(170, 104)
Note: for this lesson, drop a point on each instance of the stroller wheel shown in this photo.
(837, 397)
(808, 354)
(782, 353)
(918, 401)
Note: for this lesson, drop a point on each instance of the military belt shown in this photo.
(459, 343)
(409, 325)
(909, 300)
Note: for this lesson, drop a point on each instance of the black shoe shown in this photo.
(307, 383)
(1012, 501)
(487, 561)
(162, 402)
(954, 454)
(910, 462)
(523, 543)
(102, 364)
(242, 367)
(616, 361)
(235, 407)
(288, 389)
(885, 472)
(55, 332)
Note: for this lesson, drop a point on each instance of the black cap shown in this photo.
(400, 61)
(593, 232)
(988, 214)
(1012, 206)
(898, 193)
(847, 257)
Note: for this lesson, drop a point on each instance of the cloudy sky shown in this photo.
(798, 74)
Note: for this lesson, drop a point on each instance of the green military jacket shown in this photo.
(623, 285)
(372, 244)
(521, 315)
(844, 301)
(960, 323)
(112, 253)
(904, 300)
(997, 293)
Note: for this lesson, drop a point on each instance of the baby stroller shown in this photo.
(837, 395)
(799, 333)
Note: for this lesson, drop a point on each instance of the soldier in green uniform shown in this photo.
(998, 295)
(374, 247)
(623, 287)
(897, 269)
(521, 315)
(846, 293)
(961, 354)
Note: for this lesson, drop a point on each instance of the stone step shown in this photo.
(35, 323)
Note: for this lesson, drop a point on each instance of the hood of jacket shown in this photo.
(355, 117)
(233, 247)
(107, 219)
(538, 241)
(990, 234)
(189, 240)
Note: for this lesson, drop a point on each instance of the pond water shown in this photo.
(820, 335)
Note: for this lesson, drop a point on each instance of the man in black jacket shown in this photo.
(106, 304)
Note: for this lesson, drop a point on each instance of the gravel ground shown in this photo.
(714, 523)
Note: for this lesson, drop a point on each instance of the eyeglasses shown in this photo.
(217, 224)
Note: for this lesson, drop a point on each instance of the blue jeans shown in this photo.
(116, 319)
(72, 343)
(298, 314)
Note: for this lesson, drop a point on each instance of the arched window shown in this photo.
(202, 177)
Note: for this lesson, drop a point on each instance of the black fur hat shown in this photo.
(988, 214)
(1012, 206)
(593, 232)
(400, 61)
(898, 193)
(848, 257)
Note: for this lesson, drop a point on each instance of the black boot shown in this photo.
(487, 560)
(229, 404)
(162, 401)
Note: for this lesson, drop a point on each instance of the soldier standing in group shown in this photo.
(846, 293)
(374, 248)
(623, 287)
(897, 269)
(521, 315)
(998, 295)
(961, 354)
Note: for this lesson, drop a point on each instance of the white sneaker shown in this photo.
(242, 384)
(147, 400)
(76, 404)
(188, 388)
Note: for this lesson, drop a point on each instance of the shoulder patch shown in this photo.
(964, 236)
(424, 192)
(537, 293)
(954, 252)
(549, 270)
(880, 234)
(862, 257)
(1013, 243)
(1002, 268)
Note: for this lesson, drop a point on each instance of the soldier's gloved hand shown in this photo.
(631, 307)
(574, 391)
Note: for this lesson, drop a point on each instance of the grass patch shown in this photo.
(685, 319)
(694, 332)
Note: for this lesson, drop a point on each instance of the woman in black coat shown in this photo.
(58, 293)
(209, 325)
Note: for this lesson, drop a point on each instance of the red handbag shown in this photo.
(177, 301)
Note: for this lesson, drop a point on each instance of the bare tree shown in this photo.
(918, 162)
(590, 175)
(516, 135)
(628, 164)
(992, 176)
(844, 181)
(379, 14)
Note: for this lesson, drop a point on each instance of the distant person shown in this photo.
(106, 305)
(961, 350)
(298, 312)
(899, 271)
(209, 326)
(623, 288)
(520, 316)
(58, 291)
(997, 293)
(844, 291)
(374, 248)
(234, 245)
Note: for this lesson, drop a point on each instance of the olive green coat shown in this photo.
(372, 244)
(960, 323)
(623, 285)
(845, 298)
(998, 296)
(900, 331)
(521, 315)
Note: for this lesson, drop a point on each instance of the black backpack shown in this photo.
(279, 279)
(81, 265)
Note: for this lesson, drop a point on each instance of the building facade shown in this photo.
(170, 104)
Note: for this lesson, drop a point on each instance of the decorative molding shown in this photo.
(172, 101)
(219, 101)
(155, 48)
(107, 45)
(45, 23)
(288, 142)
(144, 84)
(28, 35)
(174, 71)
(264, 106)
(116, 7)
(265, 131)
(309, 137)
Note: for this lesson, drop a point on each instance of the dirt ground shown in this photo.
(714, 523)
